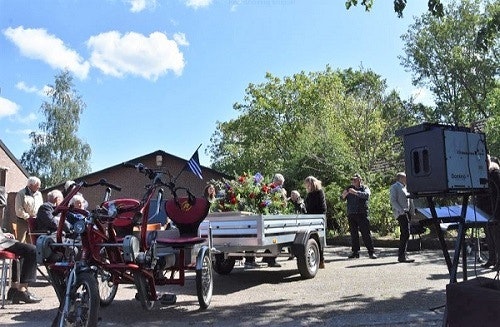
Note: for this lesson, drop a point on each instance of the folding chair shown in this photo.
(7, 258)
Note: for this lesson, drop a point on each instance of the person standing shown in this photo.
(315, 203)
(492, 231)
(402, 208)
(276, 187)
(357, 196)
(28, 200)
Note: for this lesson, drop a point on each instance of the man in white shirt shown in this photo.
(402, 207)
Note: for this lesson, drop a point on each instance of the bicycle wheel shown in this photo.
(83, 309)
(107, 289)
(141, 283)
(204, 280)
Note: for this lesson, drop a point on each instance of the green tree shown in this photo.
(329, 124)
(285, 125)
(443, 56)
(56, 153)
(435, 6)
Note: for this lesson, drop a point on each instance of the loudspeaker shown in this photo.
(444, 159)
(473, 303)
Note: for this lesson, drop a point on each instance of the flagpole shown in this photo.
(175, 179)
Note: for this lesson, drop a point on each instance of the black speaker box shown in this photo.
(444, 159)
(475, 302)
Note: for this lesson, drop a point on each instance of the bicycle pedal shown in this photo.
(168, 299)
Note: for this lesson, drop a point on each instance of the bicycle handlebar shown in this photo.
(155, 176)
(102, 182)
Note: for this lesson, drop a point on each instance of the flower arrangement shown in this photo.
(249, 193)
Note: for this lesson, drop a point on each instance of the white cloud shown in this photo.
(26, 119)
(180, 39)
(140, 5)
(198, 3)
(7, 107)
(24, 132)
(32, 89)
(38, 44)
(133, 53)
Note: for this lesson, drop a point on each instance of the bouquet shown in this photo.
(249, 193)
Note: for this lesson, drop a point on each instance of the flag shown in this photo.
(194, 165)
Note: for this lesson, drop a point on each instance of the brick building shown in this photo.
(133, 183)
(13, 177)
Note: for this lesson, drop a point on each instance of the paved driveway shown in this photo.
(360, 292)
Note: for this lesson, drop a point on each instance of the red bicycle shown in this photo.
(123, 251)
(72, 264)
(156, 258)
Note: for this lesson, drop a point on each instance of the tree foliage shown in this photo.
(329, 124)
(442, 55)
(56, 153)
(333, 123)
(435, 6)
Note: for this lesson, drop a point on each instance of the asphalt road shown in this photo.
(358, 292)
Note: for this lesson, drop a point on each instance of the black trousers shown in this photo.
(404, 229)
(358, 222)
(492, 233)
(27, 253)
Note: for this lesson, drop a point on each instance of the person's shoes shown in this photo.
(168, 299)
(251, 265)
(321, 265)
(405, 260)
(25, 297)
(353, 255)
(10, 293)
(273, 264)
(372, 255)
(291, 257)
(488, 264)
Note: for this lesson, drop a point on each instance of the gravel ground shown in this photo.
(358, 292)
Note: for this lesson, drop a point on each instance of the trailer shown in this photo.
(235, 235)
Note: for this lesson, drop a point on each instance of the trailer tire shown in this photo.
(308, 260)
(223, 266)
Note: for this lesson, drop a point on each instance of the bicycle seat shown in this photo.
(187, 214)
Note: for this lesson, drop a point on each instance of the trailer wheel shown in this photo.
(308, 261)
(223, 266)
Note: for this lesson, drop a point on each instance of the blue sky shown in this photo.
(158, 75)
